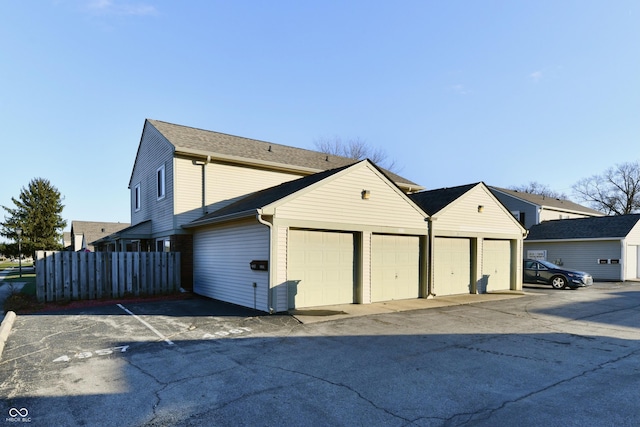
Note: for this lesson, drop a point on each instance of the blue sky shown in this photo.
(456, 92)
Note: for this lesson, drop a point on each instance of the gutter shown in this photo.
(224, 218)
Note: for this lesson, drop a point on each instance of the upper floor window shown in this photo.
(160, 179)
(136, 197)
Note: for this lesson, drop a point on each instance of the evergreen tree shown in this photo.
(38, 213)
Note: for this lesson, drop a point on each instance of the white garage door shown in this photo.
(451, 266)
(395, 267)
(320, 268)
(496, 265)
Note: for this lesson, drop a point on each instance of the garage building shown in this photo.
(606, 247)
(475, 242)
(346, 235)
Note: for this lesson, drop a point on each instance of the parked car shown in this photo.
(545, 272)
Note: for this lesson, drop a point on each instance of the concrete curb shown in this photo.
(5, 328)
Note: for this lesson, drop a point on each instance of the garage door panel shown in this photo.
(395, 267)
(320, 268)
(496, 265)
(452, 266)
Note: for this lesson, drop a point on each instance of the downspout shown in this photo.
(271, 266)
(204, 182)
(430, 275)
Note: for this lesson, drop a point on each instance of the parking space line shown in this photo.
(154, 330)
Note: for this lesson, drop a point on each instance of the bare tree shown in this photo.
(616, 191)
(356, 149)
(535, 187)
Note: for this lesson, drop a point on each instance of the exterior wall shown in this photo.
(547, 214)
(462, 219)
(221, 263)
(339, 201)
(153, 152)
(632, 255)
(188, 191)
(583, 256)
(517, 205)
(224, 184)
(183, 243)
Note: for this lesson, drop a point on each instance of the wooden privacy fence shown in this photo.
(64, 276)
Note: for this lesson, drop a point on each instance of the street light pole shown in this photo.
(19, 232)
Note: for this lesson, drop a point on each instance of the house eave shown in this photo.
(219, 219)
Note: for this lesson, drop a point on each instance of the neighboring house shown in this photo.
(181, 174)
(66, 240)
(531, 209)
(607, 247)
(476, 244)
(83, 233)
(342, 236)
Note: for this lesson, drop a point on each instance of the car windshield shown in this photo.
(548, 264)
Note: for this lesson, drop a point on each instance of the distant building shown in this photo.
(83, 233)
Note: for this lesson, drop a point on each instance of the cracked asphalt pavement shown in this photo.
(554, 358)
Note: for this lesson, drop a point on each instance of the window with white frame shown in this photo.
(136, 197)
(160, 180)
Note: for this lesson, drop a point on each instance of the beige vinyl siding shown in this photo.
(461, 218)
(227, 183)
(547, 214)
(583, 256)
(339, 200)
(188, 185)
(221, 263)
(153, 152)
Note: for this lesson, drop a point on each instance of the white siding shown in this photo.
(339, 200)
(153, 152)
(631, 263)
(227, 183)
(221, 264)
(583, 256)
(463, 219)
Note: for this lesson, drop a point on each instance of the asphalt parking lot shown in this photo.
(555, 358)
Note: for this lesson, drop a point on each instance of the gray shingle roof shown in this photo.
(584, 228)
(93, 230)
(433, 201)
(550, 202)
(190, 139)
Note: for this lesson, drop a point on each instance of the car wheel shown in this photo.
(559, 282)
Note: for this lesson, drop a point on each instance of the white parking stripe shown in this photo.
(154, 330)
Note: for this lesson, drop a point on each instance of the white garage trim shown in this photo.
(320, 268)
(395, 267)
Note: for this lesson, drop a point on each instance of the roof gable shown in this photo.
(617, 227)
(433, 201)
